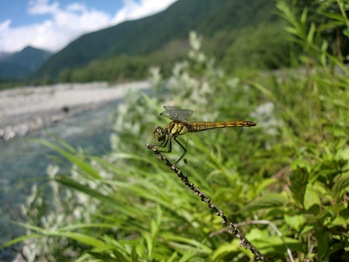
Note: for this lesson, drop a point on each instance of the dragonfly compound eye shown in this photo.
(159, 133)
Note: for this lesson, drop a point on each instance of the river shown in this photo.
(23, 161)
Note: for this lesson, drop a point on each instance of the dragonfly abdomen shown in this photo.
(202, 126)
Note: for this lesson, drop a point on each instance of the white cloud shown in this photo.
(133, 10)
(4, 25)
(40, 7)
(66, 24)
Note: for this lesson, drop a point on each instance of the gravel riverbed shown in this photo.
(26, 109)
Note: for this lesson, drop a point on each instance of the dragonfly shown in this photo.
(179, 126)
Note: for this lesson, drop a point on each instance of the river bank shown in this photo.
(27, 109)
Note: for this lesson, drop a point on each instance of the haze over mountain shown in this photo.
(150, 34)
(22, 64)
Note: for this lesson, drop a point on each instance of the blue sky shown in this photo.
(52, 24)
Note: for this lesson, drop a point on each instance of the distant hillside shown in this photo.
(4, 55)
(148, 35)
(20, 65)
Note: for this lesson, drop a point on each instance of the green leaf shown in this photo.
(343, 153)
(339, 221)
(21, 239)
(149, 244)
(225, 249)
(341, 186)
(278, 245)
(312, 198)
(174, 257)
(299, 180)
(87, 225)
(323, 245)
(311, 33)
(43, 232)
(88, 240)
(267, 201)
(81, 164)
(296, 222)
(178, 241)
(346, 32)
(323, 57)
(85, 189)
(337, 17)
(292, 30)
(265, 183)
(306, 229)
(304, 15)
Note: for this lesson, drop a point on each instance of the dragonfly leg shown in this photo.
(163, 143)
(166, 143)
(184, 150)
(169, 146)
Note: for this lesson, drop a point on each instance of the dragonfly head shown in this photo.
(160, 134)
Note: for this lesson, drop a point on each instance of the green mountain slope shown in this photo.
(150, 34)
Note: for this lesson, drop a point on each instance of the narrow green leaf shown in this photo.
(224, 250)
(337, 17)
(188, 241)
(341, 186)
(154, 228)
(291, 30)
(267, 201)
(87, 225)
(323, 57)
(76, 236)
(81, 164)
(265, 183)
(88, 240)
(299, 180)
(21, 239)
(278, 245)
(85, 189)
(149, 244)
(84, 257)
(304, 15)
(310, 36)
(174, 257)
(159, 215)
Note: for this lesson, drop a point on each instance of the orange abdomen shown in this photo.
(201, 126)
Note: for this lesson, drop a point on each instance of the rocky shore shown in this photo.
(27, 109)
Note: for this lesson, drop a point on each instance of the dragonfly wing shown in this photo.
(176, 113)
(199, 146)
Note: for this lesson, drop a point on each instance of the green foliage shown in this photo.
(320, 27)
(285, 182)
(123, 68)
(259, 47)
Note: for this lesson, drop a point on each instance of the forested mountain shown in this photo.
(140, 38)
(22, 64)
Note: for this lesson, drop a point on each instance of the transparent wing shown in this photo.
(199, 146)
(176, 113)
